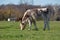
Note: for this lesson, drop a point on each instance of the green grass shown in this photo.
(11, 31)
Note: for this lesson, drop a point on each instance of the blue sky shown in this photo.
(36, 2)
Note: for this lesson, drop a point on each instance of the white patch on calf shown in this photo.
(26, 13)
(44, 9)
(21, 26)
(38, 9)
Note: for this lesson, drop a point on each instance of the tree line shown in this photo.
(15, 11)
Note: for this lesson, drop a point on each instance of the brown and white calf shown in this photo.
(31, 15)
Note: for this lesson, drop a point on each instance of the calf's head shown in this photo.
(22, 26)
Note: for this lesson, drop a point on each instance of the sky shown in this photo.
(35, 2)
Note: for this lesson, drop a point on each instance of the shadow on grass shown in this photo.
(11, 36)
(5, 27)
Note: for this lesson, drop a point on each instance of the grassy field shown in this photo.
(11, 31)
